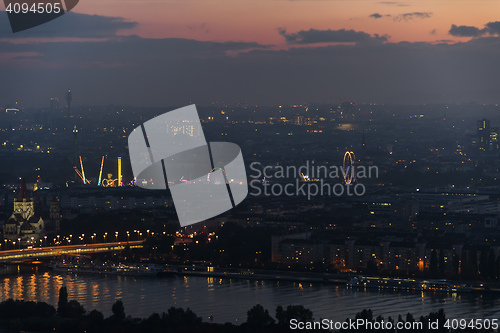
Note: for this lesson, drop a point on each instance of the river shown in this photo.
(228, 300)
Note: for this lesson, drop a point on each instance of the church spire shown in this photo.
(23, 192)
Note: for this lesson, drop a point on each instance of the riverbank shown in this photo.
(265, 275)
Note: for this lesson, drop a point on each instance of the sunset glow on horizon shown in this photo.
(259, 21)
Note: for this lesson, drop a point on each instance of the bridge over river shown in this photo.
(51, 251)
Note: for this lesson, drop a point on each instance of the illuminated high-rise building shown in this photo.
(493, 139)
(483, 133)
(483, 126)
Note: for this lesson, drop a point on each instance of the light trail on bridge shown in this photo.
(50, 251)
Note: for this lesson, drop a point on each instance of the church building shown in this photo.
(29, 222)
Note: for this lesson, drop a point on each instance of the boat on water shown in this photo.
(407, 284)
(108, 268)
(446, 286)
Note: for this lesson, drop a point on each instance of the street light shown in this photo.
(116, 236)
(105, 235)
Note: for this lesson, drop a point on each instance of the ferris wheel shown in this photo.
(217, 181)
(348, 167)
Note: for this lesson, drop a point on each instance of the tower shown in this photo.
(55, 214)
(119, 172)
(69, 98)
(23, 205)
(38, 206)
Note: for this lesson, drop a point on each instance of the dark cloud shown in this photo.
(411, 16)
(490, 28)
(70, 25)
(493, 28)
(404, 16)
(433, 31)
(465, 31)
(314, 36)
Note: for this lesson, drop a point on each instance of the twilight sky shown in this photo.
(163, 53)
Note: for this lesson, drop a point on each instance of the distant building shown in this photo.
(29, 223)
(296, 249)
(487, 136)
(347, 110)
(54, 104)
(493, 139)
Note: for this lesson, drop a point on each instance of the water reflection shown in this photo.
(229, 300)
